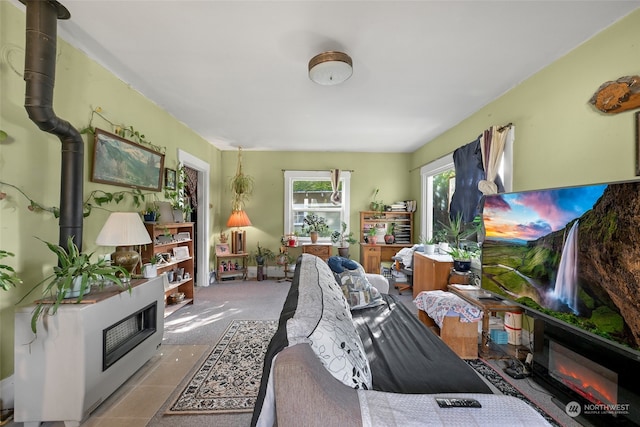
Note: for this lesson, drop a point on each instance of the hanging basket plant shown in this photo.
(241, 186)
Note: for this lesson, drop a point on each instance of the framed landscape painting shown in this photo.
(118, 161)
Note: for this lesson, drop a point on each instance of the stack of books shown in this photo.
(399, 207)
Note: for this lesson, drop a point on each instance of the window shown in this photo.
(438, 184)
(310, 192)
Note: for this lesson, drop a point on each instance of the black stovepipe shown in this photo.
(39, 75)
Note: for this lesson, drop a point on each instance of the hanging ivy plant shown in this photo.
(121, 130)
(96, 199)
(241, 186)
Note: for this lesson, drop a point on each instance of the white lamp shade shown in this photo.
(123, 229)
(330, 68)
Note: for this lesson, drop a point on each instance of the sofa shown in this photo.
(331, 365)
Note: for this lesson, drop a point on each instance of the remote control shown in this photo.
(456, 402)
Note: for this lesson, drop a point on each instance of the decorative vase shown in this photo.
(171, 276)
(373, 240)
(314, 236)
(389, 239)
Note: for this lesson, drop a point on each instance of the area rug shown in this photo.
(505, 387)
(229, 378)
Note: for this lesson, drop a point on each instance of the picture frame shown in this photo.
(118, 161)
(181, 252)
(222, 249)
(638, 143)
(170, 179)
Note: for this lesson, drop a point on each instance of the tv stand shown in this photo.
(490, 304)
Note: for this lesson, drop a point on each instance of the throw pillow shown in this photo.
(323, 320)
(354, 283)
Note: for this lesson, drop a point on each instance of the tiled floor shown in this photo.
(138, 400)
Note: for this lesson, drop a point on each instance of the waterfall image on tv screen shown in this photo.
(572, 253)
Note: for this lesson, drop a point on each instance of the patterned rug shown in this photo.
(505, 387)
(229, 378)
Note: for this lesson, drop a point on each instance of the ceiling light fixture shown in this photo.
(330, 68)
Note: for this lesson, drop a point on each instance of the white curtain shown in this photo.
(492, 144)
(335, 181)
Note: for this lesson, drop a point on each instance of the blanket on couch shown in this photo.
(403, 355)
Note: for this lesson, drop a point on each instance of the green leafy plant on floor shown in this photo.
(262, 256)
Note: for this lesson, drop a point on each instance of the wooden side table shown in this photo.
(489, 304)
(241, 271)
(322, 250)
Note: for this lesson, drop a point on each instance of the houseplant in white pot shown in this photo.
(72, 278)
(343, 240)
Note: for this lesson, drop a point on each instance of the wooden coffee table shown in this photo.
(490, 304)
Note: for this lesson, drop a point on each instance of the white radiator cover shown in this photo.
(58, 374)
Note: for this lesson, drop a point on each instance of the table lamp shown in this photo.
(124, 230)
(238, 218)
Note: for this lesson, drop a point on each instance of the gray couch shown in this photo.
(326, 366)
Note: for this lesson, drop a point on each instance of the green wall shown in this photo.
(389, 172)
(30, 158)
(560, 139)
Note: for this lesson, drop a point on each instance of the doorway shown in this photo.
(199, 214)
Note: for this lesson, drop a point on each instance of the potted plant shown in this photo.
(241, 185)
(151, 213)
(8, 276)
(389, 237)
(457, 230)
(72, 278)
(176, 196)
(429, 245)
(343, 239)
(376, 205)
(461, 259)
(372, 237)
(262, 256)
(315, 225)
(150, 269)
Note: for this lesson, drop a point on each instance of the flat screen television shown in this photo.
(570, 253)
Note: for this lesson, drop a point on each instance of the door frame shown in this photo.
(202, 223)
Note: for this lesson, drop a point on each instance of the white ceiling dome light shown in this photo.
(330, 68)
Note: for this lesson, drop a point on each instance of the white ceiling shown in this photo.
(236, 71)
